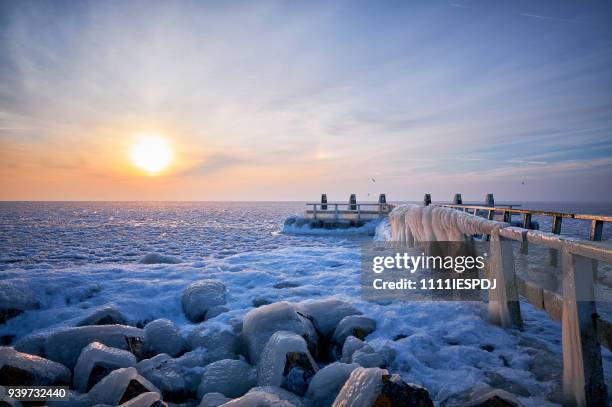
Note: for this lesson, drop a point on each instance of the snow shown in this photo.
(93, 261)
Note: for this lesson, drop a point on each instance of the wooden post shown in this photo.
(427, 200)
(556, 225)
(382, 201)
(489, 201)
(314, 211)
(324, 202)
(358, 211)
(596, 230)
(336, 210)
(583, 378)
(457, 200)
(556, 229)
(507, 216)
(491, 214)
(353, 202)
(504, 306)
(527, 220)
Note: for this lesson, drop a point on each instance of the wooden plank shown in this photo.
(553, 305)
(504, 306)
(603, 218)
(534, 294)
(583, 378)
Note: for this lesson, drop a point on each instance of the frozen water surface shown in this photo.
(79, 257)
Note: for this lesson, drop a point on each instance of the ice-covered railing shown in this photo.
(582, 329)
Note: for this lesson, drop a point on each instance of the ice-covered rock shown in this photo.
(64, 346)
(230, 377)
(492, 398)
(120, 386)
(15, 298)
(326, 314)
(96, 361)
(286, 362)
(261, 323)
(156, 258)
(367, 357)
(267, 396)
(34, 344)
(162, 336)
(213, 400)
(73, 399)
(201, 296)
(7, 402)
(327, 382)
(216, 311)
(22, 369)
(220, 343)
(368, 387)
(351, 344)
(168, 376)
(355, 325)
(104, 316)
(149, 399)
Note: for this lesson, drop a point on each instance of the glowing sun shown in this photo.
(151, 153)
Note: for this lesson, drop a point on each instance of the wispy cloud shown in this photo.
(324, 93)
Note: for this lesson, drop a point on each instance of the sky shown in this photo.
(285, 100)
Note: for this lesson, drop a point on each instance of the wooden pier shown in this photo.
(348, 211)
(505, 212)
(583, 329)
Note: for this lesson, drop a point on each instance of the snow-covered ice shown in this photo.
(76, 258)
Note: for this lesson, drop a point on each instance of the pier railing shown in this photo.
(597, 221)
(344, 210)
(583, 330)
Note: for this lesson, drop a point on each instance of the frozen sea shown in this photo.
(81, 256)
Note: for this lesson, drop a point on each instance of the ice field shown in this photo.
(138, 258)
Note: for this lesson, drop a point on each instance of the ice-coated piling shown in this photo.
(489, 201)
(427, 200)
(353, 202)
(323, 202)
(457, 200)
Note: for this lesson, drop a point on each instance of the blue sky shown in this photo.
(285, 100)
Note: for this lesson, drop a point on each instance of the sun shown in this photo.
(151, 153)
